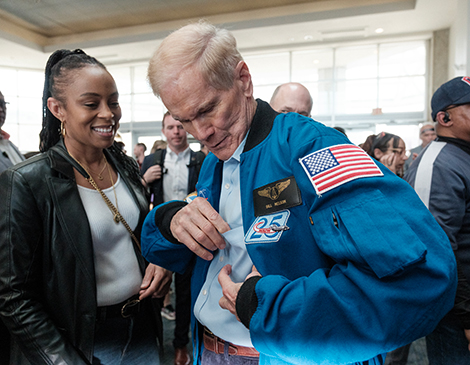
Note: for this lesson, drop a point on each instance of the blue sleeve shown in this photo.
(158, 249)
(392, 278)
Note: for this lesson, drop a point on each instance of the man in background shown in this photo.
(9, 153)
(292, 97)
(139, 153)
(427, 134)
(441, 177)
(172, 174)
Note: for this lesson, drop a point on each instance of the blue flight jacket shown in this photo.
(350, 272)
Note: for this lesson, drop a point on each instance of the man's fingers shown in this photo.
(199, 227)
(185, 238)
(212, 215)
(224, 276)
(229, 288)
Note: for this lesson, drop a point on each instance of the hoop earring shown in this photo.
(62, 129)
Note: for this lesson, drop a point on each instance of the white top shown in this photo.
(117, 272)
(175, 181)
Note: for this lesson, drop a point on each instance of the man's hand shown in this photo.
(199, 227)
(156, 282)
(230, 289)
(153, 173)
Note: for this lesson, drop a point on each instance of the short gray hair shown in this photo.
(212, 50)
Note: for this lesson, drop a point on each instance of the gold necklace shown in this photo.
(100, 174)
(117, 215)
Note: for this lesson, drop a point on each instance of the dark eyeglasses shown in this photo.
(3, 104)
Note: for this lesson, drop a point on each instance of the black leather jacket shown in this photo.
(47, 276)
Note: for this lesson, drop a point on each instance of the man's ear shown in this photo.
(56, 108)
(243, 75)
(444, 119)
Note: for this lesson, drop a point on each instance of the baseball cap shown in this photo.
(453, 92)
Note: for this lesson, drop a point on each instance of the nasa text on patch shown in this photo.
(333, 166)
(276, 196)
(268, 228)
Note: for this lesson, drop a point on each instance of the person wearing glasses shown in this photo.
(441, 177)
(9, 154)
(389, 149)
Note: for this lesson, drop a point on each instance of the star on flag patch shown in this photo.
(334, 166)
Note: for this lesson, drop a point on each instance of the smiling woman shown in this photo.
(76, 281)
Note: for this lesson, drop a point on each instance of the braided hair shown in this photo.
(56, 79)
(58, 67)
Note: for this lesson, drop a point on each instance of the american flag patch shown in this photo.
(334, 166)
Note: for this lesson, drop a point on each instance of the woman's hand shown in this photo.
(390, 161)
(156, 282)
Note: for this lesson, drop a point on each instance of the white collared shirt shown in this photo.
(207, 309)
(175, 180)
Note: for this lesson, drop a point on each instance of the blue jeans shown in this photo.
(211, 358)
(129, 341)
(447, 344)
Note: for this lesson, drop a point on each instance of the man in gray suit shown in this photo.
(9, 153)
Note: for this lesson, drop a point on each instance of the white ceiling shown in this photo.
(120, 31)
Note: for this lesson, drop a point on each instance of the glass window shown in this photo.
(269, 69)
(141, 84)
(147, 108)
(345, 81)
(402, 59)
(312, 66)
(356, 96)
(322, 94)
(402, 94)
(125, 102)
(356, 62)
(28, 137)
(263, 92)
(9, 81)
(122, 76)
(30, 83)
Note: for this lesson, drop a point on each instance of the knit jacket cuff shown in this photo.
(247, 301)
(163, 217)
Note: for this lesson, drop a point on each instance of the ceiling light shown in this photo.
(379, 30)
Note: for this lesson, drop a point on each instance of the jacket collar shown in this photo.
(62, 162)
(463, 145)
(261, 125)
